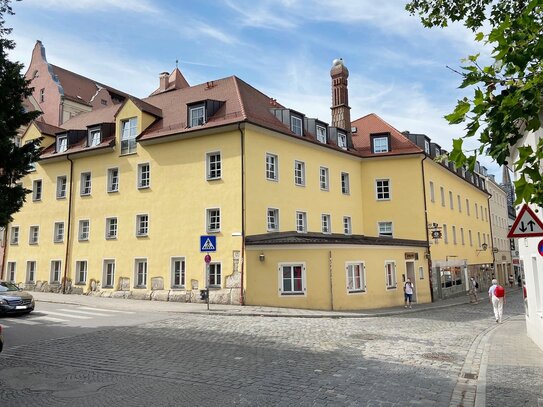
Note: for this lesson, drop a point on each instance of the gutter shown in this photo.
(69, 228)
(426, 228)
(242, 259)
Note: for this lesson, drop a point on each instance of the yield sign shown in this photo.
(527, 224)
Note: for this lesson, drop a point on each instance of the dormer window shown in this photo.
(296, 125)
(426, 146)
(321, 134)
(128, 135)
(94, 137)
(380, 144)
(342, 141)
(62, 143)
(197, 116)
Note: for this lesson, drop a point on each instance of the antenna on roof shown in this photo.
(176, 62)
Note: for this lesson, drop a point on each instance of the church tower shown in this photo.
(341, 112)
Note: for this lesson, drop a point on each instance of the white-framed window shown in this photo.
(12, 271)
(324, 179)
(94, 137)
(109, 273)
(321, 134)
(356, 277)
(382, 189)
(467, 206)
(30, 272)
(296, 125)
(380, 144)
(342, 141)
(453, 228)
(421, 273)
(178, 272)
(62, 143)
(81, 272)
(273, 220)
(36, 190)
(347, 227)
(390, 274)
(345, 184)
(197, 116)
(142, 225)
(14, 236)
(459, 200)
(56, 271)
(426, 146)
(478, 239)
(59, 232)
(140, 273)
(445, 234)
(144, 175)
(112, 180)
(385, 229)
(213, 165)
(84, 229)
(215, 274)
(272, 168)
(476, 211)
(129, 129)
(470, 238)
(301, 222)
(61, 187)
(86, 183)
(442, 193)
(42, 95)
(462, 236)
(451, 200)
(326, 223)
(292, 279)
(213, 220)
(111, 228)
(299, 173)
(34, 235)
(432, 192)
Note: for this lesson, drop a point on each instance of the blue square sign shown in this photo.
(208, 243)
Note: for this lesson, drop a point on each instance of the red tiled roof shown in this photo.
(47, 129)
(176, 80)
(372, 124)
(83, 120)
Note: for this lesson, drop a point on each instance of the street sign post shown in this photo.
(527, 224)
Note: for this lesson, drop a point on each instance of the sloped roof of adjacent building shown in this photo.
(47, 129)
(295, 238)
(373, 124)
(98, 116)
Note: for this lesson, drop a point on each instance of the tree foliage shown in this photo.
(507, 96)
(15, 162)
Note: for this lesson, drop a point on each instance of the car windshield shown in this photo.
(5, 286)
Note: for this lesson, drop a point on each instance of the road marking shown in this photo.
(63, 314)
(83, 312)
(52, 319)
(24, 321)
(108, 310)
(5, 326)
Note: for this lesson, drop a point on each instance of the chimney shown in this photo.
(164, 78)
(341, 112)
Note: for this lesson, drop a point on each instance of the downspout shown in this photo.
(242, 139)
(4, 255)
(331, 280)
(426, 228)
(69, 228)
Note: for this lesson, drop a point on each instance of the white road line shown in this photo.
(4, 326)
(108, 310)
(84, 312)
(64, 314)
(24, 321)
(45, 318)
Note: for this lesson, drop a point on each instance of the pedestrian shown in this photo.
(473, 288)
(511, 280)
(496, 294)
(519, 280)
(408, 293)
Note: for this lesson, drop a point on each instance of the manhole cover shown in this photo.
(442, 357)
(469, 375)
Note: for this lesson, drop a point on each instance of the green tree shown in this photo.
(15, 161)
(507, 92)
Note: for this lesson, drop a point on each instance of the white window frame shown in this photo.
(421, 273)
(11, 271)
(385, 229)
(37, 189)
(299, 173)
(112, 227)
(432, 192)
(182, 271)
(34, 235)
(326, 223)
(108, 273)
(462, 236)
(129, 130)
(213, 220)
(83, 231)
(14, 235)
(453, 228)
(31, 271)
(321, 134)
(380, 145)
(324, 179)
(292, 292)
(391, 281)
(62, 182)
(144, 175)
(296, 125)
(197, 116)
(142, 225)
(81, 272)
(451, 200)
(272, 167)
(342, 141)
(301, 222)
(215, 270)
(140, 275)
(467, 206)
(347, 225)
(213, 165)
(94, 137)
(55, 271)
(58, 232)
(445, 234)
(442, 193)
(345, 183)
(470, 238)
(272, 220)
(86, 183)
(113, 179)
(62, 143)
(382, 187)
(459, 203)
(354, 286)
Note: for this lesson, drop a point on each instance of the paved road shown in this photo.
(414, 359)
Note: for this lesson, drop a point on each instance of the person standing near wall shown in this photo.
(496, 294)
(408, 293)
(473, 287)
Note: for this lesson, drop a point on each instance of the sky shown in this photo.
(284, 48)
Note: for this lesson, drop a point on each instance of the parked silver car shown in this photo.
(14, 300)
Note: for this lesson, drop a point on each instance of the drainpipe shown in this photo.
(5, 240)
(69, 228)
(331, 281)
(242, 140)
(426, 228)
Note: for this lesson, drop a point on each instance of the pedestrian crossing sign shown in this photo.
(208, 243)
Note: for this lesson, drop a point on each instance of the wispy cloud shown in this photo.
(136, 6)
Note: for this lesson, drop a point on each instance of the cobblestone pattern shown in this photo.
(406, 360)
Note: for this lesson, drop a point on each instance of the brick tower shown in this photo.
(341, 112)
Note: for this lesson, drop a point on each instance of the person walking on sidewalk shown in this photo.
(408, 293)
(496, 294)
(473, 288)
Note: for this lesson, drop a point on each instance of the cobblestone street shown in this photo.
(406, 359)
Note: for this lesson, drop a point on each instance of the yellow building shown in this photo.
(294, 212)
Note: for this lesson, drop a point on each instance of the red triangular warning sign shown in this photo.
(527, 224)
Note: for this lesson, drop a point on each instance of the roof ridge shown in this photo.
(240, 99)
